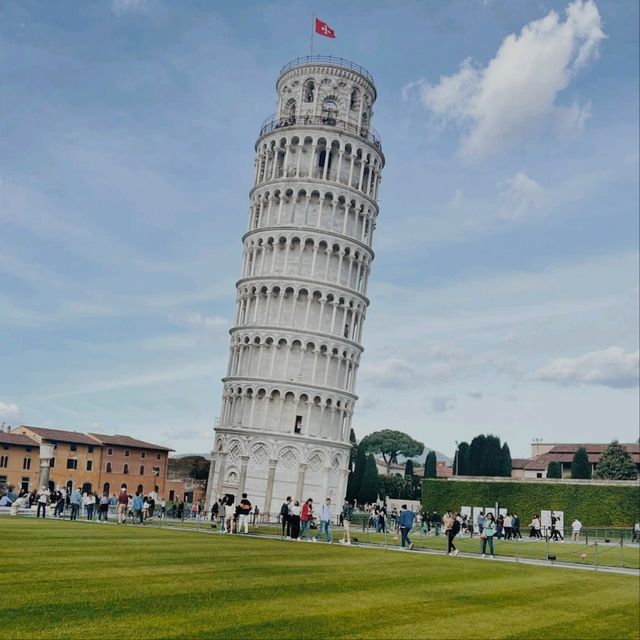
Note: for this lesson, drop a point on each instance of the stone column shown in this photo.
(47, 451)
(302, 469)
(244, 461)
(223, 463)
(211, 498)
(269, 495)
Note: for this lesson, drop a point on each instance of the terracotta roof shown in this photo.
(127, 441)
(62, 436)
(17, 439)
(564, 453)
(519, 463)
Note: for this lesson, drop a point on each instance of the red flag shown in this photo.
(324, 29)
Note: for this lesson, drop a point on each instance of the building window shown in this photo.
(4, 462)
(72, 463)
(52, 463)
(28, 449)
(539, 474)
(89, 465)
(297, 427)
(143, 454)
(3, 479)
(26, 464)
(141, 469)
(172, 495)
(90, 449)
(127, 453)
(24, 485)
(309, 91)
(108, 467)
(109, 452)
(158, 456)
(74, 447)
(125, 469)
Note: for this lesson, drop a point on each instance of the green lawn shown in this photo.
(77, 580)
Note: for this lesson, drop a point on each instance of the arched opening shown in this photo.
(106, 487)
(309, 91)
(86, 487)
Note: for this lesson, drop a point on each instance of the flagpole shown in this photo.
(313, 26)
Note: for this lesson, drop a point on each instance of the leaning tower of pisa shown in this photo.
(289, 392)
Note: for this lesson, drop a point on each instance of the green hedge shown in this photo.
(593, 505)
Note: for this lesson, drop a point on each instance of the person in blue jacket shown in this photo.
(137, 505)
(406, 522)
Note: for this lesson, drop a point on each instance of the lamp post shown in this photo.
(457, 456)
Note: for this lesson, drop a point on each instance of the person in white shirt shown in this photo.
(325, 521)
(576, 527)
(43, 497)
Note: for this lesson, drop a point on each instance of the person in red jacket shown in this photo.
(306, 517)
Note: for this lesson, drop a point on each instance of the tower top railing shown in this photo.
(367, 133)
(331, 60)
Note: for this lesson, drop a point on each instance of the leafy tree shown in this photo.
(408, 470)
(615, 464)
(355, 480)
(580, 466)
(506, 461)
(392, 444)
(461, 460)
(394, 486)
(554, 470)
(370, 481)
(431, 466)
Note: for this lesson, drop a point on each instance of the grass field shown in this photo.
(77, 580)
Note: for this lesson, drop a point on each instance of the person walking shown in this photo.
(229, 514)
(576, 527)
(534, 527)
(123, 502)
(42, 498)
(76, 503)
(452, 528)
(138, 507)
(103, 511)
(347, 516)
(508, 526)
(306, 518)
(285, 518)
(90, 503)
(488, 531)
(325, 521)
(294, 516)
(515, 526)
(244, 513)
(436, 521)
(406, 522)
(480, 522)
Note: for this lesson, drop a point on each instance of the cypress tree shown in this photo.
(370, 482)
(353, 489)
(580, 466)
(430, 465)
(461, 460)
(554, 470)
(506, 461)
(476, 455)
(408, 470)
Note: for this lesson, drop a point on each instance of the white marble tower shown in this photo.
(289, 392)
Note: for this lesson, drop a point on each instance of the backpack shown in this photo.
(284, 509)
(456, 527)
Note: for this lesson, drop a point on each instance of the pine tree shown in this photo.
(353, 488)
(370, 484)
(554, 470)
(408, 470)
(616, 464)
(431, 465)
(506, 461)
(476, 455)
(461, 460)
(580, 466)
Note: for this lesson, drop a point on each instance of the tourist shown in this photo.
(256, 516)
(103, 509)
(347, 516)
(294, 516)
(138, 507)
(215, 510)
(426, 522)
(394, 518)
(556, 528)
(488, 531)
(515, 526)
(244, 511)
(90, 504)
(145, 507)
(406, 522)
(306, 518)
(436, 520)
(76, 503)
(480, 522)
(534, 527)
(43, 497)
(325, 521)
(229, 514)
(500, 527)
(576, 527)
(163, 508)
(382, 521)
(452, 528)
(636, 533)
(123, 502)
(285, 518)
(508, 526)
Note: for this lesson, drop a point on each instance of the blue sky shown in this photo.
(505, 286)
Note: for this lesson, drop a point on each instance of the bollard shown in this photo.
(622, 549)
(595, 555)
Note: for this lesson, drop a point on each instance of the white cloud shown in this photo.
(520, 195)
(120, 7)
(514, 96)
(9, 412)
(442, 404)
(392, 373)
(206, 323)
(610, 367)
